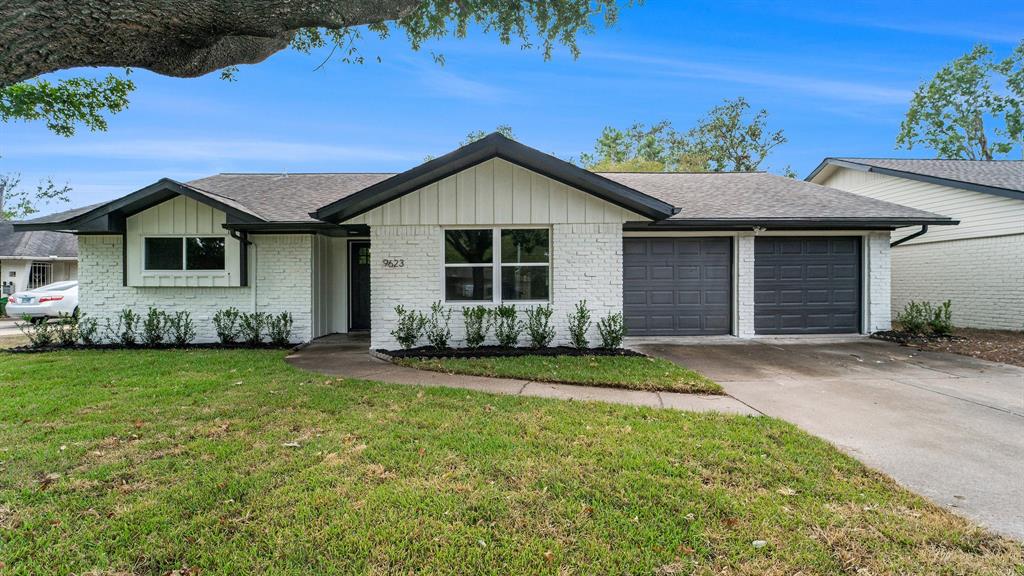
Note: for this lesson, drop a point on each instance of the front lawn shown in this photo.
(232, 462)
(633, 372)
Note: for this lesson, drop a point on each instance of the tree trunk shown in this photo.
(184, 38)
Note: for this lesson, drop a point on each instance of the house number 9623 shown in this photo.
(398, 263)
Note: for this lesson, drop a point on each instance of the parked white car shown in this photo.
(48, 301)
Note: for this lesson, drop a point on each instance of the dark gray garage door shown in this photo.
(806, 285)
(677, 286)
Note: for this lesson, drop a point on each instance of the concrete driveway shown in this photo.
(948, 427)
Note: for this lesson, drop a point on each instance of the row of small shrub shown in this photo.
(922, 318)
(507, 325)
(157, 327)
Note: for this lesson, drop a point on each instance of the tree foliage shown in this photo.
(66, 104)
(194, 37)
(728, 138)
(503, 129)
(63, 106)
(971, 109)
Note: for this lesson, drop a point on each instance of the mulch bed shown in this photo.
(1005, 346)
(502, 352)
(28, 349)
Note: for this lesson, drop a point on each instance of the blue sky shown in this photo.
(837, 78)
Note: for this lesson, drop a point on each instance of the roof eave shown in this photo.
(109, 217)
(705, 224)
(494, 146)
(970, 186)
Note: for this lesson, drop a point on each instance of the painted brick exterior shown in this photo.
(745, 286)
(279, 268)
(984, 277)
(586, 264)
(877, 268)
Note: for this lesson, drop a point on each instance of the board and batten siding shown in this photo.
(180, 216)
(495, 192)
(981, 215)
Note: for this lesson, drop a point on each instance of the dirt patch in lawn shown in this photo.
(1005, 346)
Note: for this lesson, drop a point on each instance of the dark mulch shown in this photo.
(1005, 346)
(199, 346)
(499, 352)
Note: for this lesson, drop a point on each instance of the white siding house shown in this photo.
(979, 264)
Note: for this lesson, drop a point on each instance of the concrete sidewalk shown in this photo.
(347, 356)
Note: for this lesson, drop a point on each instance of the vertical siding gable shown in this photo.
(179, 216)
(495, 192)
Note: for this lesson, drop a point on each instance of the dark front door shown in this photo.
(677, 286)
(359, 285)
(806, 285)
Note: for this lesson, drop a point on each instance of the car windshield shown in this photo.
(56, 287)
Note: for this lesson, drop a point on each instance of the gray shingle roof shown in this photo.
(759, 196)
(61, 216)
(36, 244)
(701, 196)
(286, 197)
(1005, 174)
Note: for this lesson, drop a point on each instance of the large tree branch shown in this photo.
(184, 38)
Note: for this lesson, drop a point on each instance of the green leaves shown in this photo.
(971, 109)
(727, 139)
(66, 104)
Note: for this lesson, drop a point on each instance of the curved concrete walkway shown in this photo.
(346, 355)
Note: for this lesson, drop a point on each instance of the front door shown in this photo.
(359, 285)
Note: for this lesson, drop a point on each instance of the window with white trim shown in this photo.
(518, 259)
(183, 253)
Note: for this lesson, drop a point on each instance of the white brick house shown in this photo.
(979, 265)
(496, 222)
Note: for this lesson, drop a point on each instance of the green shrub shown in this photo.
(180, 328)
(409, 327)
(478, 320)
(914, 317)
(251, 326)
(66, 329)
(88, 330)
(154, 326)
(279, 329)
(507, 326)
(538, 326)
(941, 320)
(437, 328)
(612, 329)
(579, 323)
(39, 334)
(125, 331)
(225, 322)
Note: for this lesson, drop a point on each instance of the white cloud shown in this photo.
(206, 149)
(800, 84)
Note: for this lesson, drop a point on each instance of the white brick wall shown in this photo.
(984, 277)
(586, 264)
(279, 268)
(877, 270)
(745, 286)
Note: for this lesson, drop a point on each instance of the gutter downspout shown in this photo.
(919, 233)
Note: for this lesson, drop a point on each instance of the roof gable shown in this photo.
(494, 146)
(999, 177)
(493, 192)
(110, 217)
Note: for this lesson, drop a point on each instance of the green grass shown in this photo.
(144, 462)
(633, 372)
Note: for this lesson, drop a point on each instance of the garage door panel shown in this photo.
(699, 287)
(807, 285)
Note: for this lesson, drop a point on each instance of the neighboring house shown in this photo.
(496, 221)
(979, 265)
(35, 258)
